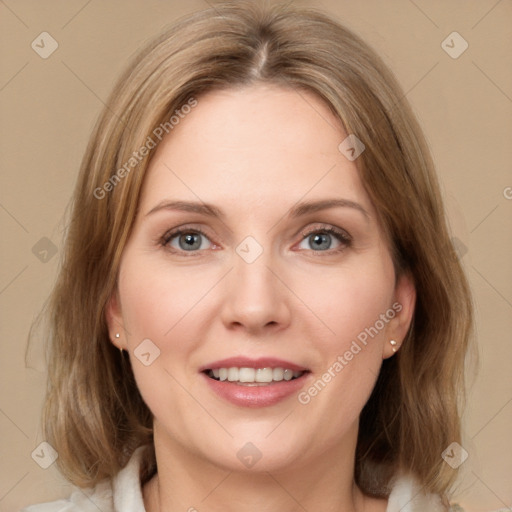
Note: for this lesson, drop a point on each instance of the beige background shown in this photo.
(48, 110)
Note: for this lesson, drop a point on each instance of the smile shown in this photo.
(261, 382)
(253, 376)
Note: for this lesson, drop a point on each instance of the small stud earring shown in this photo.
(393, 344)
(117, 337)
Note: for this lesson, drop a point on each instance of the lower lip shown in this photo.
(256, 396)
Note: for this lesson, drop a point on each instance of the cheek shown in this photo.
(349, 303)
(161, 304)
(157, 298)
(351, 300)
(357, 308)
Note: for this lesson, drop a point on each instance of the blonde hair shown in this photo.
(94, 415)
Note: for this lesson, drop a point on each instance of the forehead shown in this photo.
(254, 144)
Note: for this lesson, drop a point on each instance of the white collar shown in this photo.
(126, 487)
(124, 494)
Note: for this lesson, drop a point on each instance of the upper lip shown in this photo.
(245, 362)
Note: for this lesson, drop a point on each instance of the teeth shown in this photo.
(252, 375)
(277, 374)
(233, 374)
(264, 375)
(246, 374)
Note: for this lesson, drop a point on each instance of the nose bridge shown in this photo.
(255, 297)
(254, 278)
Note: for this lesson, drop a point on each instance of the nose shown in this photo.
(255, 299)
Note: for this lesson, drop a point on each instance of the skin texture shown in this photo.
(254, 153)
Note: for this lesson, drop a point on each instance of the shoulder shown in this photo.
(123, 493)
(100, 498)
(407, 496)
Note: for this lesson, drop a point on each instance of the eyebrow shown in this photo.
(298, 210)
(311, 207)
(188, 206)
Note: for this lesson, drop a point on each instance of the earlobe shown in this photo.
(404, 305)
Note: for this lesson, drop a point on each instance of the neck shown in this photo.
(188, 482)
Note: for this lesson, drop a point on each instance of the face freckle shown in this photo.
(256, 240)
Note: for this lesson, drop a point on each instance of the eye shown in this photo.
(187, 240)
(324, 240)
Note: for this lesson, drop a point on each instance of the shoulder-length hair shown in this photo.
(94, 415)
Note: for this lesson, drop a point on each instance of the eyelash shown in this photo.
(344, 239)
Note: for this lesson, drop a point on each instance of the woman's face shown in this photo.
(257, 247)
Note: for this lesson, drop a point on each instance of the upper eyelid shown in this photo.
(307, 230)
(325, 227)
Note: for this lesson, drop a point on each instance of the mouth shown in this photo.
(259, 382)
(245, 376)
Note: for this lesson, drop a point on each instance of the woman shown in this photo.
(259, 306)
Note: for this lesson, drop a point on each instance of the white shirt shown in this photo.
(124, 494)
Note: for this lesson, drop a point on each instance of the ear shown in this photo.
(403, 306)
(114, 321)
